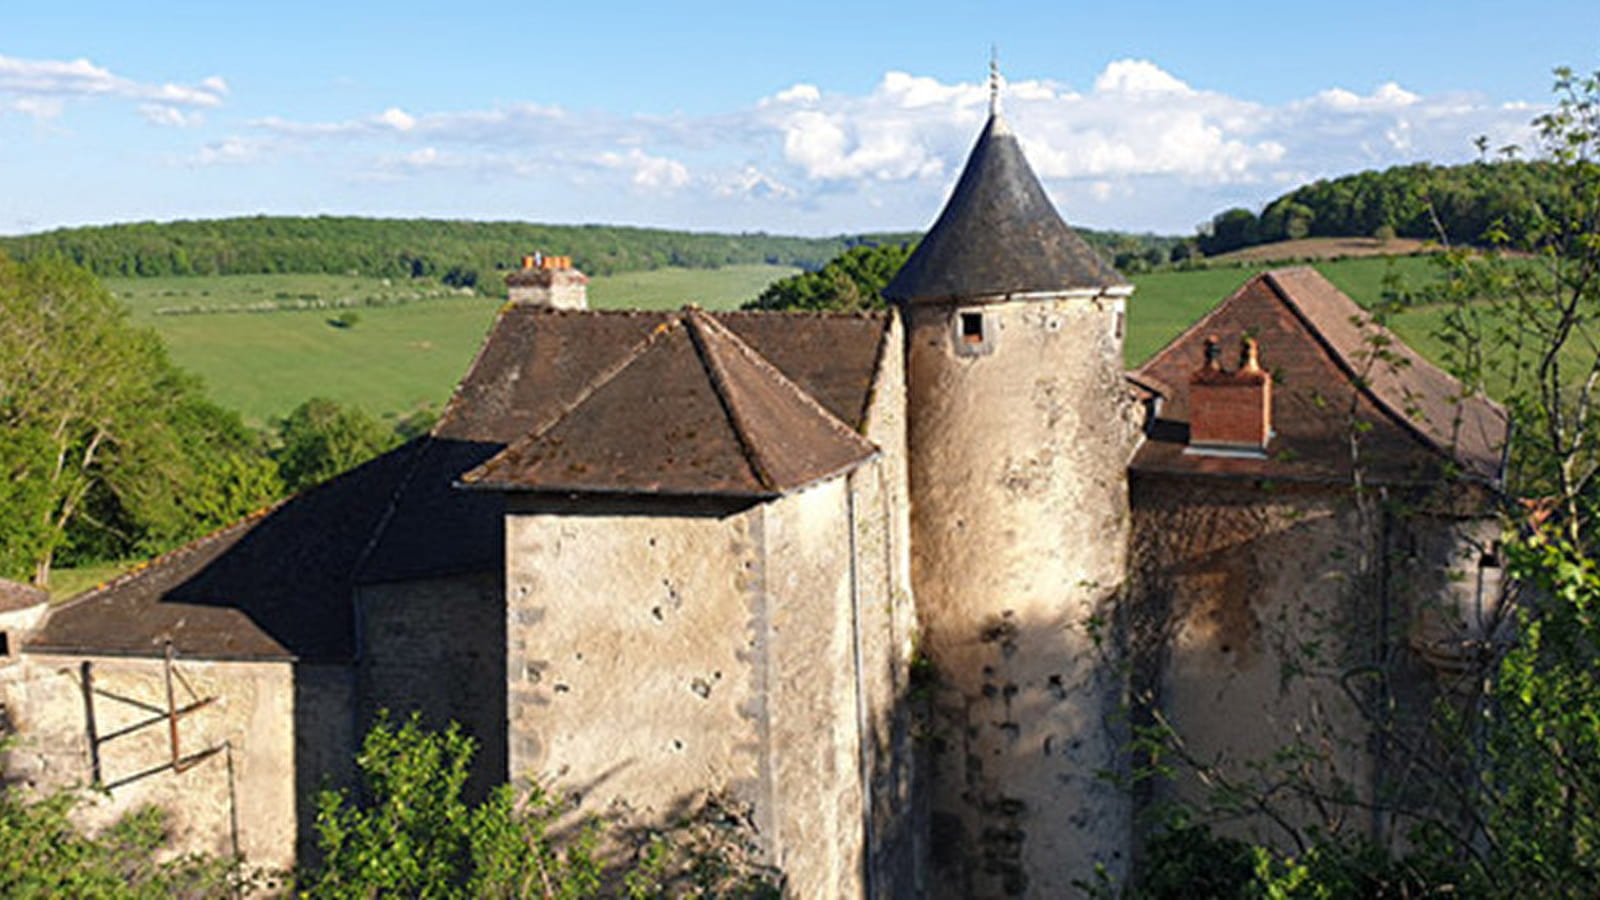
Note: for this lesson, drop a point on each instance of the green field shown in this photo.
(406, 352)
(413, 338)
(1165, 303)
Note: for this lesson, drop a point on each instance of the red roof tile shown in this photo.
(1332, 367)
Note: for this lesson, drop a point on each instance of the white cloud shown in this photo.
(752, 182)
(471, 126)
(799, 93)
(172, 116)
(230, 151)
(397, 118)
(1140, 147)
(657, 172)
(1138, 76)
(40, 87)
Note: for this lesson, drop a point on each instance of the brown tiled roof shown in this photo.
(998, 234)
(534, 365)
(280, 585)
(692, 410)
(15, 596)
(1415, 423)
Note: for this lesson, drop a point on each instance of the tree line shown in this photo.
(1456, 204)
(460, 253)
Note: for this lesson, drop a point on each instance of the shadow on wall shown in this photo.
(1029, 758)
(1268, 646)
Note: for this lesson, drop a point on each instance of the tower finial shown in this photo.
(994, 80)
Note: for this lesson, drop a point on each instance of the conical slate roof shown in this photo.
(999, 234)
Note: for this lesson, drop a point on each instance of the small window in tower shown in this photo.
(5, 645)
(1119, 325)
(972, 327)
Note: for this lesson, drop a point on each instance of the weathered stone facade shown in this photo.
(1019, 524)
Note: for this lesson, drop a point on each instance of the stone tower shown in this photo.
(1020, 429)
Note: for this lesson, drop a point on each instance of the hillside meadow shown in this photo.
(409, 342)
(411, 339)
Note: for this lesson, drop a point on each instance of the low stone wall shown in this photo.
(102, 721)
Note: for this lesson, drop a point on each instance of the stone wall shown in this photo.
(1266, 617)
(660, 650)
(886, 632)
(327, 735)
(437, 646)
(636, 641)
(237, 790)
(1018, 446)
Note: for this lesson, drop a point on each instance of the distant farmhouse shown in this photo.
(644, 556)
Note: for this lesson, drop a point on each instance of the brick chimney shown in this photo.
(1230, 413)
(548, 281)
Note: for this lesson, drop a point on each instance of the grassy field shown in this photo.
(402, 354)
(1168, 302)
(409, 348)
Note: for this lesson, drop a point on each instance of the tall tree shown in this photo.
(105, 443)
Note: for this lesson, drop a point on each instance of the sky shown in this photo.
(820, 118)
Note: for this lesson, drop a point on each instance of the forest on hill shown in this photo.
(1458, 204)
(459, 253)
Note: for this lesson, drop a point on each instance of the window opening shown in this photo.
(5, 644)
(972, 327)
(1119, 325)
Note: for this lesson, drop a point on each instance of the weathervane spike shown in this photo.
(994, 80)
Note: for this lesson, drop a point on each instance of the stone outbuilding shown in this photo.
(644, 557)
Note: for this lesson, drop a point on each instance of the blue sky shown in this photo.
(821, 118)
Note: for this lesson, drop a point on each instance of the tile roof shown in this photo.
(998, 234)
(692, 410)
(15, 595)
(279, 585)
(1416, 423)
(534, 365)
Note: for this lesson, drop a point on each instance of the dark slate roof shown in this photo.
(692, 410)
(999, 234)
(279, 585)
(1418, 424)
(15, 596)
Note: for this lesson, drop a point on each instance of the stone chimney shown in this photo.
(1230, 413)
(548, 281)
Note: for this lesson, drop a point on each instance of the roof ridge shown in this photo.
(142, 567)
(601, 378)
(1199, 324)
(449, 414)
(719, 385)
(772, 371)
(800, 313)
(1365, 383)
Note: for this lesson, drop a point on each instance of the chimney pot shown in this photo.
(1248, 361)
